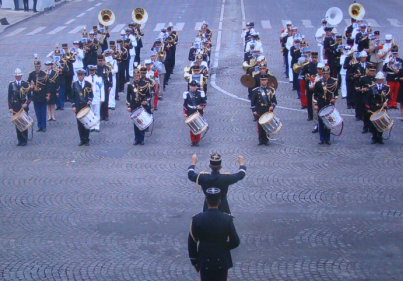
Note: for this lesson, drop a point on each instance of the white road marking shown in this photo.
(80, 15)
(70, 21)
(266, 24)
(198, 25)
(307, 23)
(50, 54)
(57, 29)
(90, 9)
(372, 23)
(284, 23)
(395, 22)
(18, 30)
(78, 29)
(118, 27)
(179, 26)
(37, 30)
(158, 26)
(98, 4)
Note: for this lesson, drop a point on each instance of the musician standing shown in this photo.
(173, 34)
(374, 49)
(98, 94)
(19, 97)
(308, 71)
(263, 100)
(285, 33)
(78, 64)
(375, 99)
(138, 95)
(52, 89)
(152, 75)
(113, 65)
(391, 75)
(138, 32)
(38, 80)
(160, 70)
(81, 97)
(325, 94)
(132, 51)
(211, 237)
(400, 94)
(288, 45)
(320, 35)
(361, 39)
(105, 72)
(216, 179)
(193, 100)
(67, 61)
(295, 52)
(246, 33)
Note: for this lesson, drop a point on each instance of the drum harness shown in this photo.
(266, 102)
(374, 92)
(194, 105)
(326, 89)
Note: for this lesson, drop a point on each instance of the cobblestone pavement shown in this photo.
(114, 211)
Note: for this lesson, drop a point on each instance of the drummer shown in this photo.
(19, 96)
(375, 99)
(138, 95)
(81, 97)
(263, 100)
(325, 94)
(193, 101)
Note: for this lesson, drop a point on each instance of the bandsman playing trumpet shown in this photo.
(19, 97)
(67, 61)
(385, 49)
(263, 100)
(309, 71)
(174, 34)
(131, 44)
(362, 39)
(204, 31)
(105, 72)
(122, 57)
(113, 65)
(336, 51)
(38, 80)
(348, 64)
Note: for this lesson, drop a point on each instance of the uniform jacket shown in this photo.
(18, 95)
(106, 74)
(212, 235)
(134, 97)
(53, 84)
(192, 100)
(375, 97)
(81, 96)
(263, 99)
(40, 80)
(321, 97)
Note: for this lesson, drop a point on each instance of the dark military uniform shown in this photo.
(263, 99)
(40, 80)
(19, 94)
(80, 97)
(359, 97)
(211, 237)
(215, 179)
(53, 86)
(327, 42)
(191, 101)
(375, 97)
(362, 42)
(311, 69)
(348, 65)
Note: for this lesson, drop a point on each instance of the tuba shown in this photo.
(356, 11)
(251, 64)
(334, 16)
(106, 17)
(139, 15)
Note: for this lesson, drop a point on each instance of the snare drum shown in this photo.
(87, 117)
(196, 123)
(330, 117)
(381, 120)
(270, 123)
(141, 118)
(22, 120)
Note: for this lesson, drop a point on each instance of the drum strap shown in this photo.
(80, 91)
(341, 131)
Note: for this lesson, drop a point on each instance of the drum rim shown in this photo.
(82, 110)
(332, 107)
(384, 112)
(187, 120)
(20, 112)
(264, 114)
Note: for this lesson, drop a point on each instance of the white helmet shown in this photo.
(380, 75)
(363, 54)
(17, 72)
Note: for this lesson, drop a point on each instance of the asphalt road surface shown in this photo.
(114, 211)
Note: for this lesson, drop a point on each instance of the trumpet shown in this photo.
(298, 66)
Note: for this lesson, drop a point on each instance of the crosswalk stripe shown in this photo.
(118, 27)
(80, 15)
(90, 9)
(395, 22)
(307, 23)
(372, 23)
(70, 21)
(77, 29)
(266, 24)
(57, 29)
(158, 26)
(37, 30)
(179, 26)
(98, 4)
(18, 30)
(198, 25)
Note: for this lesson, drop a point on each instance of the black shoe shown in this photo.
(106, 118)
(266, 143)
(39, 130)
(348, 106)
(57, 108)
(260, 143)
(43, 130)
(92, 129)
(18, 144)
(148, 129)
(364, 131)
(24, 144)
(142, 143)
(160, 98)
(381, 141)
(163, 88)
(111, 108)
(97, 130)
(309, 119)
(87, 143)
(81, 143)
(315, 130)
(136, 143)
(357, 119)
(155, 108)
(373, 141)
(197, 144)
(322, 142)
(192, 144)
(328, 142)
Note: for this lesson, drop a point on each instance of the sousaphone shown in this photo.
(106, 17)
(356, 11)
(139, 15)
(334, 16)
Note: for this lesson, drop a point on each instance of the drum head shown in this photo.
(377, 115)
(136, 112)
(192, 117)
(266, 117)
(83, 112)
(326, 110)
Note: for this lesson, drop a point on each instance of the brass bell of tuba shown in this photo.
(106, 17)
(356, 11)
(334, 16)
(139, 15)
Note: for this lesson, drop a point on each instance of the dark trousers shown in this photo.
(216, 275)
(16, 5)
(324, 132)
(22, 136)
(137, 57)
(83, 132)
(62, 96)
(121, 76)
(35, 1)
(105, 106)
(69, 81)
(138, 134)
(286, 64)
(26, 8)
(295, 83)
(377, 136)
(126, 64)
(40, 112)
(310, 106)
(262, 134)
(174, 57)
(360, 108)
(350, 93)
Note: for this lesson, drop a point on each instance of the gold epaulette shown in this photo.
(89, 82)
(127, 83)
(204, 173)
(228, 214)
(225, 173)
(255, 88)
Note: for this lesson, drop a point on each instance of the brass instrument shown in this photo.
(248, 81)
(297, 67)
(334, 16)
(139, 15)
(186, 73)
(252, 63)
(356, 11)
(106, 17)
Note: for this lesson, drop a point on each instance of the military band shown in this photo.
(38, 80)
